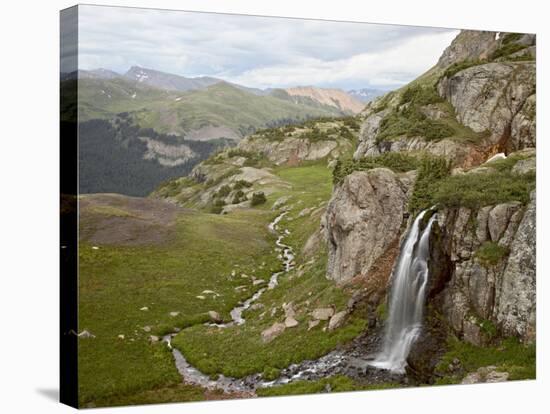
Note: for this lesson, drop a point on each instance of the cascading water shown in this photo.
(407, 298)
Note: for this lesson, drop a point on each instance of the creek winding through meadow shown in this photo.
(353, 360)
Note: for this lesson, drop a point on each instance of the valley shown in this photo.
(309, 247)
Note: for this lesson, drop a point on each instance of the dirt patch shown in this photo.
(121, 220)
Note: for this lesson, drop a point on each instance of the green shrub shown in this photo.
(217, 206)
(396, 161)
(271, 373)
(460, 66)
(382, 311)
(430, 172)
(507, 49)
(510, 355)
(491, 253)
(223, 191)
(352, 123)
(238, 197)
(511, 38)
(258, 198)
(411, 122)
(483, 189)
(420, 95)
(240, 184)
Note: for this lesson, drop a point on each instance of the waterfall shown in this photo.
(407, 298)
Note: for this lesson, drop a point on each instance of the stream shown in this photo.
(354, 359)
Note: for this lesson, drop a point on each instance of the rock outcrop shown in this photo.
(491, 88)
(496, 291)
(294, 149)
(491, 96)
(363, 219)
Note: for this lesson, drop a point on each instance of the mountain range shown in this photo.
(150, 119)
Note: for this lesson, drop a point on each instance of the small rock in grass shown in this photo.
(272, 332)
(215, 316)
(496, 376)
(145, 308)
(258, 282)
(290, 322)
(173, 314)
(153, 338)
(337, 320)
(323, 314)
(201, 297)
(146, 328)
(257, 306)
(95, 248)
(312, 324)
(120, 336)
(85, 335)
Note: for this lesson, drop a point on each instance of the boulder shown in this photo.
(486, 374)
(363, 218)
(337, 320)
(323, 314)
(525, 166)
(215, 316)
(290, 322)
(273, 331)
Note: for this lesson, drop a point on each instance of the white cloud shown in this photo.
(257, 51)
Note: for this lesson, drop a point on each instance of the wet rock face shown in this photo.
(491, 96)
(502, 292)
(363, 218)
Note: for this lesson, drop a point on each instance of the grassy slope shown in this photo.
(116, 281)
(220, 104)
(215, 350)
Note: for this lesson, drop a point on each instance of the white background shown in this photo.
(29, 205)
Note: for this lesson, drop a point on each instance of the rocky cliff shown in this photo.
(477, 101)
(492, 279)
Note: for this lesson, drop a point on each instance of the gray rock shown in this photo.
(472, 378)
(517, 305)
(290, 322)
(486, 374)
(272, 332)
(280, 202)
(154, 338)
(363, 218)
(499, 218)
(215, 316)
(511, 84)
(323, 314)
(337, 320)
(525, 166)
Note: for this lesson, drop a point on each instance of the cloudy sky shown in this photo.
(258, 51)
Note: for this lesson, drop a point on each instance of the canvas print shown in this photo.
(259, 206)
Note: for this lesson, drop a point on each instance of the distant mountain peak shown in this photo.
(366, 94)
(328, 96)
